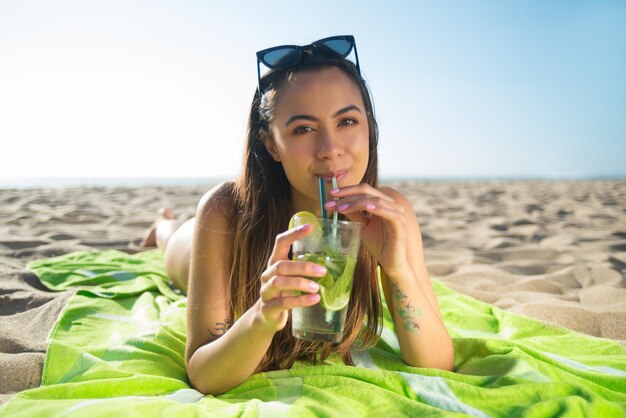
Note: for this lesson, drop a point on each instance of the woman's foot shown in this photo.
(150, 239)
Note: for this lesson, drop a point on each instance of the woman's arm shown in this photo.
(391, 233)
(219, 354)
(410, 297)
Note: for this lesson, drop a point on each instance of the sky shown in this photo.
(462, 89)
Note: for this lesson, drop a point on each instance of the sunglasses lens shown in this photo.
(284, 57)
(340, 46)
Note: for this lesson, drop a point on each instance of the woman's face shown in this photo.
(319, 129)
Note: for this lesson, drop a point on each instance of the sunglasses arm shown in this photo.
(258, 71)
(356, 58)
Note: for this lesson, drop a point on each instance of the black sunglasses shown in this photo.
(285, 56)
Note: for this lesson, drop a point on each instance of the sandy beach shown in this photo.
(552, 250)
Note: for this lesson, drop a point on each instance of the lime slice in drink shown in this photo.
(304, 218)
(332, 302)
(335, 294)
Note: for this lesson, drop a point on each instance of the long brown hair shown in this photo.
(261, 210)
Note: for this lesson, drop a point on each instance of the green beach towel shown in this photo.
(117, 350)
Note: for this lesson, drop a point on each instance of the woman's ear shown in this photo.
(269, 144)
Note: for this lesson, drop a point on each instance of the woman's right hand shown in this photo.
(283, 279)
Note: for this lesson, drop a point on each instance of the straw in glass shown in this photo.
(335, 214)
(322, 185)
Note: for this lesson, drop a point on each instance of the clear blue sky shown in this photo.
(461, 88)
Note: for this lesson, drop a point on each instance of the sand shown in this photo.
(552, 250)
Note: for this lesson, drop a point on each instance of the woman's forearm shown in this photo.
(222, 364)
(424, 340)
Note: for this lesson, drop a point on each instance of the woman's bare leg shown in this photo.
(174, 237)
(163, 226)
(177, 254)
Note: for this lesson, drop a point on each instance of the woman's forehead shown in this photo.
(315, 90)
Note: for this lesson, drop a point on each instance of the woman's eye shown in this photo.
(300, 130)
(348, 122)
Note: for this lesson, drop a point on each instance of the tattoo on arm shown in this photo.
(405, 310)
(221, 328)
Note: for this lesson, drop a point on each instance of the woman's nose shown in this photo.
(329, 146)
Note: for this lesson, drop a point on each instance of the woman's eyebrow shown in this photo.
(314, 119)
(347, 109)
(296, 117)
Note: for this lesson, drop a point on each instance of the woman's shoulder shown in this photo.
(219, 202)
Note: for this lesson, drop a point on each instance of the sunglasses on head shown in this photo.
(285, 56)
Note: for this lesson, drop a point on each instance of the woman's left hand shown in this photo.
(383, 220)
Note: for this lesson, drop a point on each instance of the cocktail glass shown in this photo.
(334, 245)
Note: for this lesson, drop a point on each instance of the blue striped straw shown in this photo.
(335, 214)
(322, 185)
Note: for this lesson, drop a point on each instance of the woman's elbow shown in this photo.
(442, 359)
(205, 387)
(447, 362)
(201, 381)
(445, 358)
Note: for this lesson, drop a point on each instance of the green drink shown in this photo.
(334, 246)
(336, 284)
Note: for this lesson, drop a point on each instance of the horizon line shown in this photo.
(29, 182)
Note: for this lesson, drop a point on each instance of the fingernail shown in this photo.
(314, 297)
(330, 204)
(314, 286)
(342, 207)
(303, 227)
(319, 269)
(370, 206)
(334, 191)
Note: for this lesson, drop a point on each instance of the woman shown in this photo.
(311, 117)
